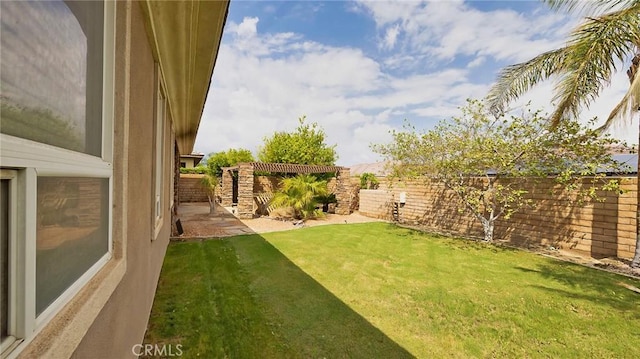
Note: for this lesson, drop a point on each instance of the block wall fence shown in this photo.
(190, 188)
(601, 229)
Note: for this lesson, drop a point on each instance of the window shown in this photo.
(52, 89)
(158, 162)
(56, 75)
(72, 228)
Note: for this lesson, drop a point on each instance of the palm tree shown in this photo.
(608, 36)
(301, 193)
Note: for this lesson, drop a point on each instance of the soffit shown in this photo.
(186, 37)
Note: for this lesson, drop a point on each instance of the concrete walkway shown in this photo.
(198, 223)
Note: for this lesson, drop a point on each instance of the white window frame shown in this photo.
(172, 191)
(159, 165)
(23, 161)
(15, 301)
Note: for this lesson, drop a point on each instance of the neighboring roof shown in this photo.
(186, 36)
(629, 159)
(196, 156)
(378, 169)
(288, 168)
(193, 155)
(616, 149)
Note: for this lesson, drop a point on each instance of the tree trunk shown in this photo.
(212, 205)
(633, 69)
(636, 259)
(487, 226)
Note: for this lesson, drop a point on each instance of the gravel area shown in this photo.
(266, 224)
(198, 223)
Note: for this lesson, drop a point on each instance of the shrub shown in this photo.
(194, 170)
(300, 193)
(368, 181)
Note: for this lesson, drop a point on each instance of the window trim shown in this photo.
(159, 166)
(13, 334)
(28, 160)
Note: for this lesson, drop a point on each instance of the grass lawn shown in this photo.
(376, 290)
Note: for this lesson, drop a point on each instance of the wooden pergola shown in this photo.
(245, 183)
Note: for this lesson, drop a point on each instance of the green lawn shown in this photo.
(375, 290)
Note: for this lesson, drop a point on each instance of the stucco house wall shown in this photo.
(108, 315)
(132, 300)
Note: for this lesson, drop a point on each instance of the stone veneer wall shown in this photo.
(597, 229)
(266, 184)
(354, 185)
(190, 189)
(245, 191)
(226, 188)
(343, 192)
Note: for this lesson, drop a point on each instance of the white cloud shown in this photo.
(390, 37)
(264, 81)
(445, 29)
(259, 88)
(246, 29)
(476, 62)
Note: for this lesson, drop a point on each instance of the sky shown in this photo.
(360, 68)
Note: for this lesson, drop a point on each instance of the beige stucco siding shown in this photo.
(109, 314)
(122, 322)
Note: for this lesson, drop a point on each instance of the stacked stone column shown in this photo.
(343, 191)
(227, 188)
(245, 190)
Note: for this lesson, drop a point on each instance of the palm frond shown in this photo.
(626, 107)
(593, 51)
(300, 193)
(592, 7)
(515, 80)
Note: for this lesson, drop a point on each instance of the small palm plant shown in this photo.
(300, 193)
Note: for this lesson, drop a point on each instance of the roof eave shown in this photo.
(186, 36)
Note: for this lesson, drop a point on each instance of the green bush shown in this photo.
(327, 198)
(369, 181)
(194, 170)
(301, 193)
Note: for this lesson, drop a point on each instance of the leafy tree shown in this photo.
(228, 158)
(301, 193)
(305, 146)
(486, 161)
(609, 35)
(368, 181)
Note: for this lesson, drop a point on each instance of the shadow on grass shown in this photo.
(241, 298)
(453, 241)
(627, 304)
(589, 284)
(314, 321)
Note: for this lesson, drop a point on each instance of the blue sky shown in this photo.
(359, 68)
